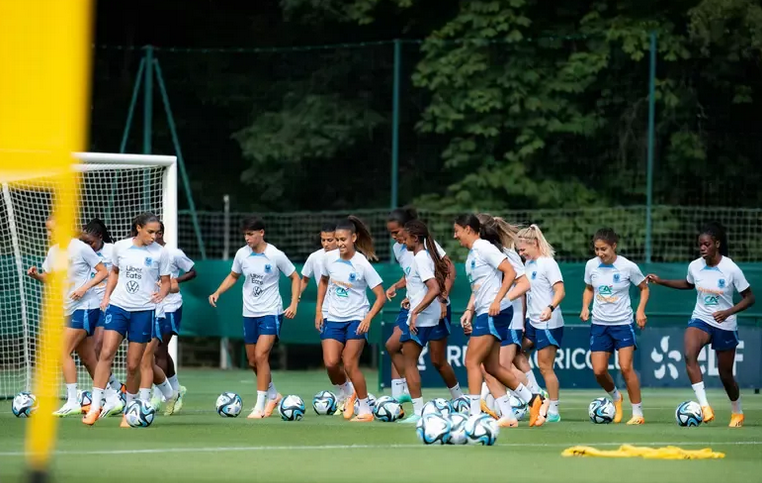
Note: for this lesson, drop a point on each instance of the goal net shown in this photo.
(112, 187)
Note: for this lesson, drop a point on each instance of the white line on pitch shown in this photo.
(366, 446)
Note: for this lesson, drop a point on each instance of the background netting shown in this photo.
(114, 193)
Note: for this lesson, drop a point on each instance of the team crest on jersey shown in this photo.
(149, 261)
(534, 275)
(616, 278)
(473, 264)
(721, 283)
(407, 270)
(268, 268)
(352, 277)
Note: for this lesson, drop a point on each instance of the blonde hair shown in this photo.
(496, 230)
(534, 234)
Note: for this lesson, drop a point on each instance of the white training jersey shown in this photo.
(483, 275)
(347, 282)
(421, 271)
(611, 285)
(105, 254)
(543, 273)
(714, 287)
(517, 323)
(313, 268)
(82, 260)
(139, 270)
(404, 258)
(178, 261)
(261, 292)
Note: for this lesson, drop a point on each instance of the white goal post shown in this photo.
(112, 187)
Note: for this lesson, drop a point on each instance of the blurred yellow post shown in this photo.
(45, 49)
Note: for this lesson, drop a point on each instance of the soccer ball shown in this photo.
(444, 406)
(139, 414)
(291, 408)
(371, 403)
(458, 429)
(461, 405)
(433, 429)
(386, 399)
(229, 405)
(324, 403)
(24, 404)
(689, 414)
(481, 429)
(601, 411)
(519, 407)
(85, 399)
(387, 409)
(431, 407)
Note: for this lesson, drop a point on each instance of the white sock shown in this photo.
(533, 386)
(261, 400)
(523, 393)
(417, 406)
(615, 394)
(504, 403)
(71, 393)
(489, 400)
(97, 396)
(553, 409)
(115, 384)
(364, 406)
(272, 393)
(166, 389)
(476, 404)
(637, 409)
(348, 389)
(407, 389)
(398, 387)
(736, 406)
(129, 397)
(145, 394)
(485, 391)
(698, 388)
(155, 392)
(174, 383)
(111, 396)
(455, 391)
(338, 392)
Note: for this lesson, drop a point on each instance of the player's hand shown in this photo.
(78, 294)
(290, 312)
(652, 278)
(546, 314)
(213, 299)
(721, 315)
(156, 298)
(33, 272)
(319, 322)
(641, 319)
(364, 326)
(465, 321)
(405, 303)
(443, 310)
(104, 303)
(411, 323)
(585, 314)
(494, 308)
(391, 292)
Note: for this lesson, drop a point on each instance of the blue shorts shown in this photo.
(342, 331)
(401, 321)
(722, 340)
(170, 323)
(136, 326)
(542, 338)
(497, 326)
(253, 327)
(101, 319)
(515, 336)
(608, 338)
(84, 319)
(425, 334)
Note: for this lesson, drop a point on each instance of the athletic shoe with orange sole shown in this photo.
(272, 404)
(619, 413)
(487, 410)
(91, 417)
(256, 414)
(508, 423)
(362, 418)
(708, 413)
(736, 420)
(536, 415)
(636, 420)
(349, 406)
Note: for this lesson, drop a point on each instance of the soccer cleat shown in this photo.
(736, 420)
(618, 407)
(112, 407)
(508, 423)
(536, 416)
(91, 417)
(362, 418)
(708, 413)
(180, 396)
(85, 409)
(553, 418)
(123, 389)
(487, 410)
(124, 423)
(404, 398)
(256, 414)
(68, 410)
(340, 407)
(156, 403)
(636, 420)
(171, 405)
(272, 404)
(413, 419)
(349, 406)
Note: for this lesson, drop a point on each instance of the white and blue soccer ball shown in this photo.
(689, 414)
(431, 407)
(139, 414)
(481, 429)
(24, 404)
(433, 429)
(325, 403)
(461, 405)
(85, 398)
(457, 429)
(520, 408)
(444, 406)
(387, 409)
(229, 405)
(371, 403)
(601, 411)
(291, 408)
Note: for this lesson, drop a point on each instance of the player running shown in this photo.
(259, 262)
(346, 276)
(714, 276)
(607, 278)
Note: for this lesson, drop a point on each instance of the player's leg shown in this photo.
(627, 369)
(697, 335)
(351, 358)
(71, 338)
(172, 329)
(118, 324)
(411, 351)
(498, 389)
(394, 349)
(332, 349)
(545, 359)
(601, 348)
(135, 351)
(437, 340)
(724, 343)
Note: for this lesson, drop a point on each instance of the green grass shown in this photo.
(197, 445)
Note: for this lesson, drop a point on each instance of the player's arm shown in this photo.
(164, 285)
(378, 291)
(450, 280)
(321, 291)
(303, 285)
(34, 273)
(587, 299)
(640, 314)
(521, 287)
(189, 275)
(747, 300)
(296, 295)
(509, 275)
(113, 278)
(391, 292)
(681, 284)
(100, 274)
(228, 282)
(174, 285)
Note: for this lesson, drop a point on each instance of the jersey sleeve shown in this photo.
(552, 271)
(284, 264)
(589, 272)
(491, 254)
(425, 266)
(47, 264)
(89, 256)
(372, 278)
(307, 269)
(115, 256)
(516, 263)
(182, 261)
(636, 276)
(689, 276)
(237, 263)
(164, 259)
(397, 250)
(739, 279)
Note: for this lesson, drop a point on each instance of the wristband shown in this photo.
(551, 307)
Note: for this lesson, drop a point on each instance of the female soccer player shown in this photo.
(81, 319)
(491, 276)
(130, 301)
(714, 277)
(259, 262)
(346, 276)
(607, 278)
(545, 330)
(437, 352)
(171, 321)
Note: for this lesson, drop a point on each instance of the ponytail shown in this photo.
(534, 234)
(364, 243)
(419, 229)
(142, 220)
(497, 231)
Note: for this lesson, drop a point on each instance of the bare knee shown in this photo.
(134, 365)
(261, 359)
(600, 371)
(392, 346)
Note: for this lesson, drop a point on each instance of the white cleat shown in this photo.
(113, 406)
(169, 408)
(69, 409)
(180, 396)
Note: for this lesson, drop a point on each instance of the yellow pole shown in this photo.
(45, 62)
